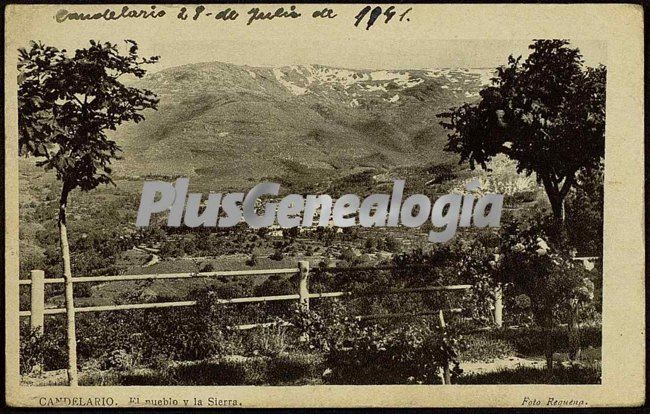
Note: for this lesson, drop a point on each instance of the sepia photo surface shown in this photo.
(446, 205)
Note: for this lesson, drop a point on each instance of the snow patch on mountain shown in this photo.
(485, 75)
(292, 87)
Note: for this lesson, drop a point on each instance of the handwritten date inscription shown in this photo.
(376, 12)
(367, 15)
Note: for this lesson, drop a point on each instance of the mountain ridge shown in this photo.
(237, 123)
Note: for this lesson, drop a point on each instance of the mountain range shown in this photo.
(234, 125)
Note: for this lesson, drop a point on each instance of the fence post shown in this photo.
(498, 305)
(446, 378)
(303, 289)
(37, 301)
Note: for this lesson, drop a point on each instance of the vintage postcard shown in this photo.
(313, 205)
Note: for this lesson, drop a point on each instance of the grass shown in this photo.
(284, 369)
(577, 374)
(298, 369)
(531, 342)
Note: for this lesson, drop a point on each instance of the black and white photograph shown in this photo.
(260, 202)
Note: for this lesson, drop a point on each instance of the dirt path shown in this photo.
(154, 257)
(483, 367)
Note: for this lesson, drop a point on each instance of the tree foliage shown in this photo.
(547, 113)
(584, 207)
(67, 104)
(559, 288)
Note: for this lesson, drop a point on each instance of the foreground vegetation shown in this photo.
(554, 300)
(294, 365)
(133, 347)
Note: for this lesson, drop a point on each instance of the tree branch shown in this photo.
(568, 182)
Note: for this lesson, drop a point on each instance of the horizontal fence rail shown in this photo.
(38, 281)
(186, 275)
(251, 299)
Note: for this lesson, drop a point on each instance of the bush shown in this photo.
(31, 349)
(252, 260)
(208, 267)
(412, 354)
(277, 255)
(187, 334)
(483, 348)
(118, 360)
(98, 378)
(83, 290)
(48, 352)
(269, 341)
(358, 353)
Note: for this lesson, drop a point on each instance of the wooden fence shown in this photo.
(38, 311)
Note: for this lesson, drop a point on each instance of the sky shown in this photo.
(429, 39)
(422, 54)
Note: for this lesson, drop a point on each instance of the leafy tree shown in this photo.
(584, 207)
(558, 287)
(547, 114)
(66, 106)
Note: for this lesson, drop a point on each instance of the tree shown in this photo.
(557, 286)
(547, 114)
(66, 106)
(584, 207)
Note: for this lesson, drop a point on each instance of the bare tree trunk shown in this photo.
(558, 209)
(548, 325)
(557, 205)
(69, 292)
(575, 350)
(557, 195)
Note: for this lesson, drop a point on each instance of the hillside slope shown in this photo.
(237, 124)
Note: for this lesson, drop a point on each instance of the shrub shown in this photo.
(559, 289)
(192, 333)
(483, 348)
(358, 353)
(208, 267)
(31, 349)
(410, 354)
(269, 341)
(370, 245)
(83, 290)
(347, 255)
(277, 255)
(45, 351)
(252, 260)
